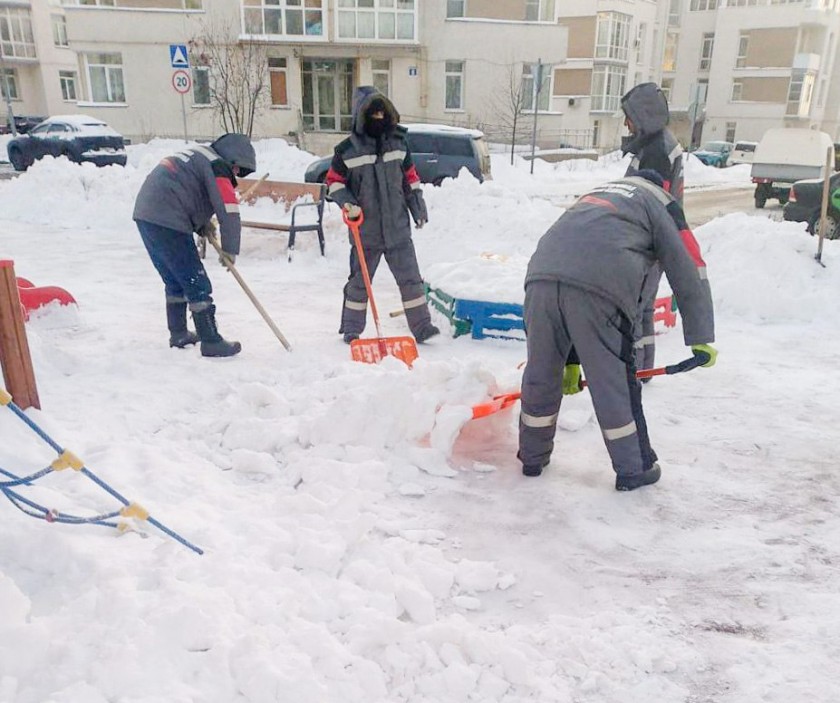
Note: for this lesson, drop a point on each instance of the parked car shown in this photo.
(805, 205)
(714, 153)
(439, 152)
(742, 153)
(78, 137)
(23, 123)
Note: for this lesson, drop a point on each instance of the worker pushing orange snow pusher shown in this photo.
(372, 351)
(505, 400)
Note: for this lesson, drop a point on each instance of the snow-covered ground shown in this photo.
(363, 543)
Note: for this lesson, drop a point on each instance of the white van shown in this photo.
(742, 153)
(784, 156)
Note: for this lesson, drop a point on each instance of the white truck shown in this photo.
(784, 156)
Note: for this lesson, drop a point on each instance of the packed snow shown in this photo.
(365, 542)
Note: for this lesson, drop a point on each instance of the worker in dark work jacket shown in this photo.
(581, 292)
(178, 198)
(655, 148)
(372, 171)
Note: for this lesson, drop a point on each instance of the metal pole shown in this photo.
(184, 115)
(829, 162)
(8, 95)
(537, 88)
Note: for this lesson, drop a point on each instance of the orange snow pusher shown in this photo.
(372, 351)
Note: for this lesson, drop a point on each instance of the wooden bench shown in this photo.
(287, 192)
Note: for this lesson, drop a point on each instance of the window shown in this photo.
(596, 132)
(737, 90)
(706, 52)
(8, 84)
(703, 5)
(105, 78)
(376, 19)
(201, 85)
(278, 81)
(16, 39)
(455, 146)
(455, 8)
(530, 85)
(667, 88)
(327, 95)
(607, 87)
(98, 3)
(539, 10)
(68, 85)
(454, 85)
(743, 47)
(612, 36)
(283, 17)
(669, 59)
(800, 93)
(382, 76)
(730, 131)
(674, 12)
(420, 143)
(59, 27)
(641, 34)
(742, 3)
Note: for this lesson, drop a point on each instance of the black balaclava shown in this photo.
(376, 128)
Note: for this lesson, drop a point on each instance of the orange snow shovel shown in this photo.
(505, 400)
(371, 351)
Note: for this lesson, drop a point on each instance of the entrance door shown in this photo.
(327, 95)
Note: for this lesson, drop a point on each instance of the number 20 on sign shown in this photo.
(181, 81)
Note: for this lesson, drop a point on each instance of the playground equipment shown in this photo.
(33, 297)
(15, 361)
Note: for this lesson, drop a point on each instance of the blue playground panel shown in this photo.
(480, 318)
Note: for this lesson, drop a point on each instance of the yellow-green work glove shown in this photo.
(571, 379)
(707, 351)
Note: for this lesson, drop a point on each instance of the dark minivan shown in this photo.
(439, 152)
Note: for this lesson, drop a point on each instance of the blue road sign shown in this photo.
(178, 56)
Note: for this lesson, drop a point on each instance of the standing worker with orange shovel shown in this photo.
(372, 172)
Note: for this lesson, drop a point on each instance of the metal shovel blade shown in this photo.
(371, 351)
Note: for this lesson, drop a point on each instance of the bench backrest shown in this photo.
(281, 190)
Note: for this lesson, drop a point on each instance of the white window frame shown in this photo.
(284, 8)
(452, 11)
(529, 87)
(743, 50)
(59, 30)
(670, 51)
(707, 48)
(539, 10)
(110, 70)
(383, 71)
(9, 80)
(376, 12)
(284, 69)
(95, 3)
(205, 73)
(69, 81)
(16, 38)
(450, 72)
(703, 5)
(737, 94)
(612, 36)
(608, 98)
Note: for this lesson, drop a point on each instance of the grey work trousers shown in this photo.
(402, 261)
(644, 334)
(558, 316)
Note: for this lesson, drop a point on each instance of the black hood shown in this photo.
(647, 108)
(363, 96)
(237, 150)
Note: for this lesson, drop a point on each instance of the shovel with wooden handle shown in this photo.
(372, 351)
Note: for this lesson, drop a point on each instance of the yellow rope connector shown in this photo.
(5, 397)
(135, 510)
(67, 460)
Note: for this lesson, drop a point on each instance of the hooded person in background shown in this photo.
(654, 148)
(372, 173)
(581, 296)
(178, 198)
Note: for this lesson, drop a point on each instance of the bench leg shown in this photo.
(291, 247)
(321, 239)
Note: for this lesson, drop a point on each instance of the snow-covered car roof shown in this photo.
(442, 129)
(85, 124)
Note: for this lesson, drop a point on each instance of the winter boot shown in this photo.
(212, 343)
(426, 332)
(350, 337)
(634, 481)
(176, 320)
(533, 469)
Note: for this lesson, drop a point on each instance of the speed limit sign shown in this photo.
(181, 81)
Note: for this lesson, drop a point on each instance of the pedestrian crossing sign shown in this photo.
(178, 56)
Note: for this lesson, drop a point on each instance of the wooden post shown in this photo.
(829, 163)
(18, 375)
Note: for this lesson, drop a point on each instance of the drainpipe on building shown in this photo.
(8, 94)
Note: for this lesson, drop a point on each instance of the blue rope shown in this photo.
(53, 516)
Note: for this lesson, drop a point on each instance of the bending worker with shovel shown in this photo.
(581, 291)
(372, 173)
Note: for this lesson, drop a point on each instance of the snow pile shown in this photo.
(4, 141)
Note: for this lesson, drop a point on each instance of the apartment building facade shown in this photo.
(749, 65)
(473, 63)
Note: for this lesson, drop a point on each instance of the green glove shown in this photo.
(571, 379)
(835, 199)
(706, 351)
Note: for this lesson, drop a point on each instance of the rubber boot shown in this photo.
(212, 343)
(176, 321)
(631, 483)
